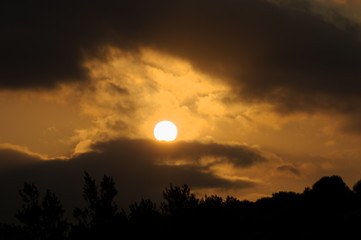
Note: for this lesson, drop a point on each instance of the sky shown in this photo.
(265, 95)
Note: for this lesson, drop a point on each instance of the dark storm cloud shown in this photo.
(280, 52)
(134, 164)
(265, 46)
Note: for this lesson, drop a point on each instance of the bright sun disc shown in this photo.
(165, 131)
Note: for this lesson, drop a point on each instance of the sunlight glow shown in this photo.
(165, 131)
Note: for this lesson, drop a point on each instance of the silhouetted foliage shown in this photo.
(328, 209)
(53, 217)
(30, 214)
(178, 200)
(357, 188)
(331, 195)
(101, 215)
(212, 201)
(41, 220)
(144, 212)
(145, 220)
(330, 187)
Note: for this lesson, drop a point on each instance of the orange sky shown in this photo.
(258, 109)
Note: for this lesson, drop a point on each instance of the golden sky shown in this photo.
(265, 95)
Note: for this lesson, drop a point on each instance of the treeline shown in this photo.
(328, 209)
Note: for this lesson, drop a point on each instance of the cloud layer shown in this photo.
(141, 168)
(280, 52)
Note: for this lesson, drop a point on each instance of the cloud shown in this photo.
(11, 158)
(294, 55)
(141, 168)
(263, 45)
(15, 156)
(290, 169)
(237, 155)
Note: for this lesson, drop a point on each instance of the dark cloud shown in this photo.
(118, 90)
(137, 167)
(265, 45)
(280, 52)
(193, 152)
(289, 168)
(11, 158)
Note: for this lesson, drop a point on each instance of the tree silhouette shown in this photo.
(180, 208)
(43, 220)
(357, 188)
(212, 201)
(331, 192)
(178, 200)
(101, 215)
(145, 220)
(53, 217)
(328, 209)
(144, 212)
(332, 186)
(30, 213)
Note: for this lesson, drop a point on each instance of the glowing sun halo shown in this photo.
(165, 131)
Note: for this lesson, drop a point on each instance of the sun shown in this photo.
(165, 131)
